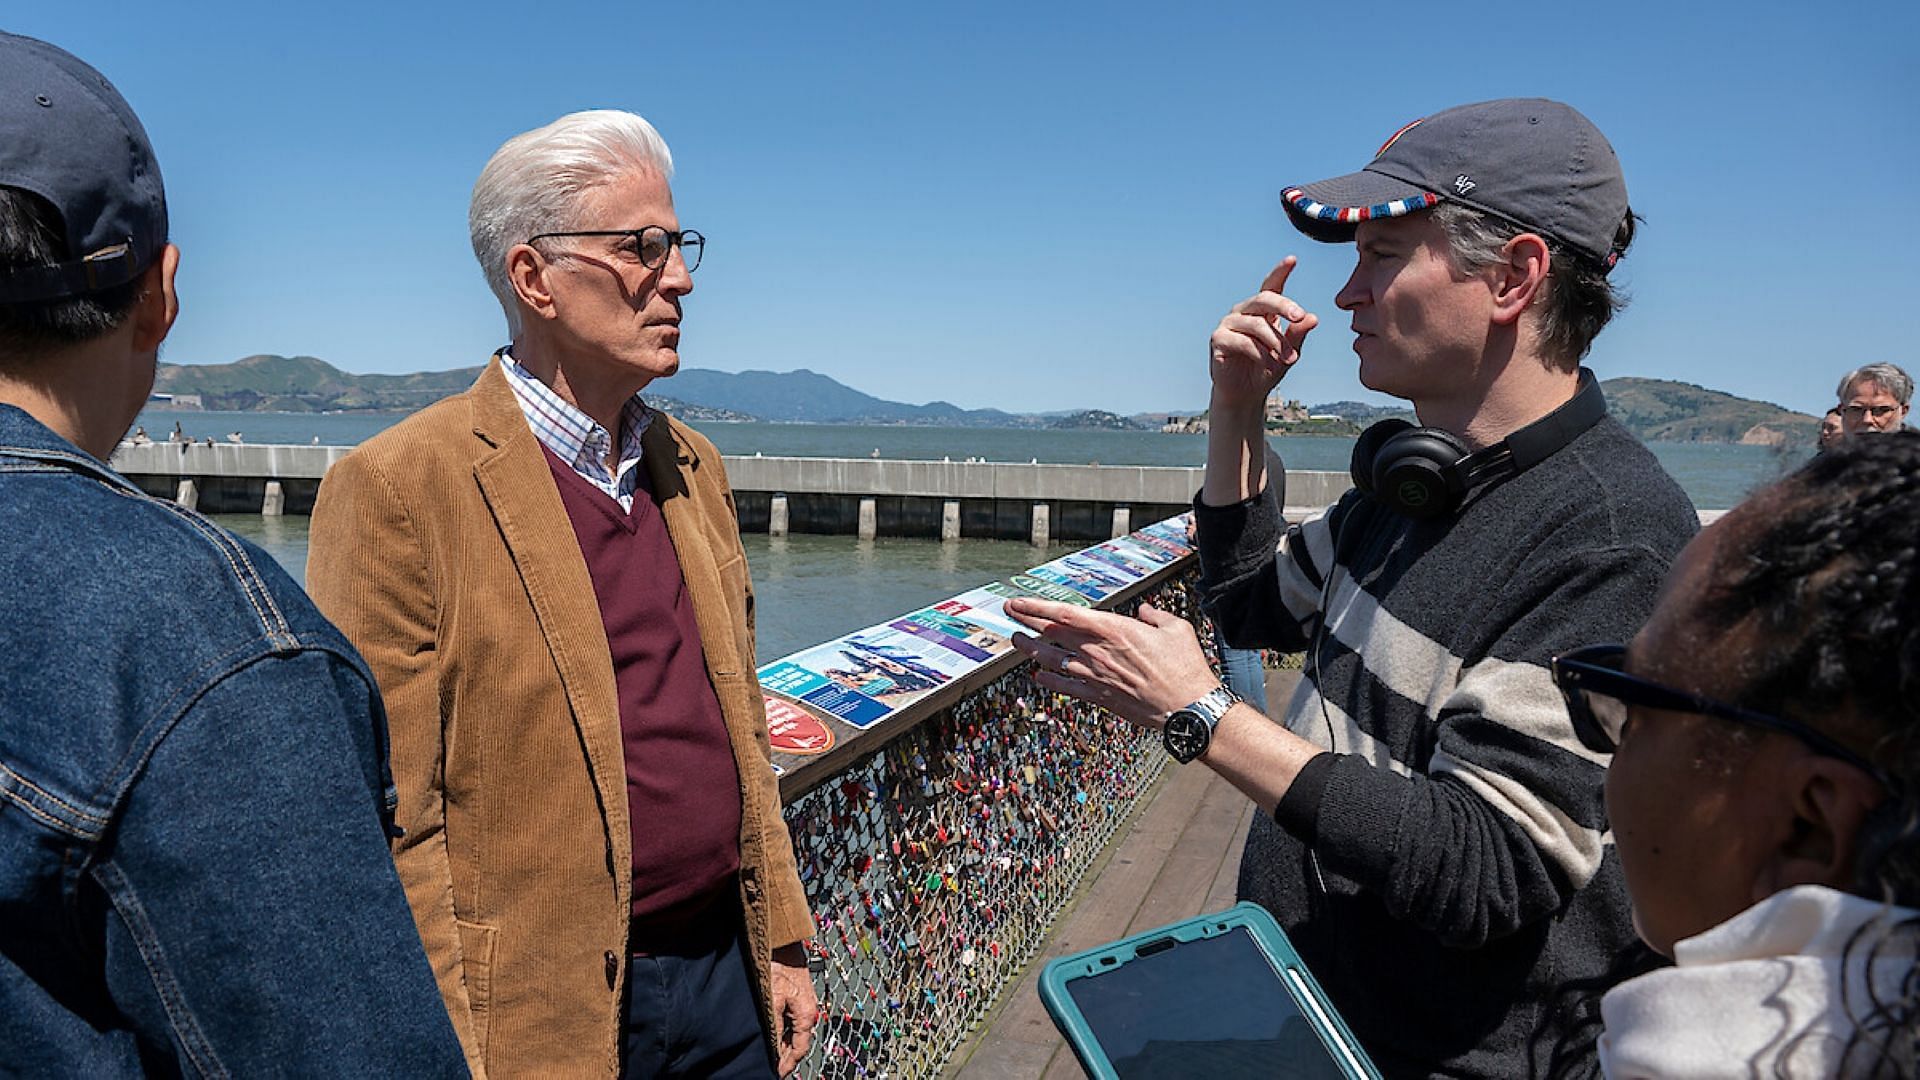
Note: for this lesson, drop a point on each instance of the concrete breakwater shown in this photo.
(866, 497)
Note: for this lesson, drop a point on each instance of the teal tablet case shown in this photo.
(1288, 971)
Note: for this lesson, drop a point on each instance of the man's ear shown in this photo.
(1518, 277)
(158, 304)
(1830, 800)
(527, 272)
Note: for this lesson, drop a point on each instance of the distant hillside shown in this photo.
(1661, 410)
(1362, 413)
(1094, 419)
(809, 397)
(1657, 410)
(306, 384)
(698, 414)
(309, 384)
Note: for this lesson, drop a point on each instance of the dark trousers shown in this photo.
(690, 1010)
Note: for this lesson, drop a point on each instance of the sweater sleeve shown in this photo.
(1250, 557)
(1507, 822)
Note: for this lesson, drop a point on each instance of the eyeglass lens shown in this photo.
(656, 244)
(1855, 412)
(1597, 719)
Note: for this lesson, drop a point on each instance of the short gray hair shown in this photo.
(534, 181)
(1890, 377)
(1579, 300)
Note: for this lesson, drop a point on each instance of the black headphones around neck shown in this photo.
(1423, 472)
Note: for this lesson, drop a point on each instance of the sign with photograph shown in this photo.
(862, 678)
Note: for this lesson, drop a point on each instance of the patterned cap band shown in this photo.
(1353, 215)
(1538, 164)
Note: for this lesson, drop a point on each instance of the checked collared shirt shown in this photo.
(575, 438)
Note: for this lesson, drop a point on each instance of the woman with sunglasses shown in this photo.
(1764, 792)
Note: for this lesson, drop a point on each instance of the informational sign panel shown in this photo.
(862, 678)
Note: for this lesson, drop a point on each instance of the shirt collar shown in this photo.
(572, 435)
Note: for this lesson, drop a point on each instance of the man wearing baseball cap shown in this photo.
(193, 784)
(1432, 835)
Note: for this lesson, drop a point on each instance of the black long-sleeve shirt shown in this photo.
(1446, 867)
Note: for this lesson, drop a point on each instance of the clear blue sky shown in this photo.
(1022, 205)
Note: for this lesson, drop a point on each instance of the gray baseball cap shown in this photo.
(1537, 163)
(68, 136)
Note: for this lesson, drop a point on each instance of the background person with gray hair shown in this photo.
(1874, 399)
(547, 579)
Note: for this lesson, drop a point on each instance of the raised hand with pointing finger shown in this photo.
(1252, 349)
(1258, 341)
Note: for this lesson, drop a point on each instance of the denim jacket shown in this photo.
(194, 797)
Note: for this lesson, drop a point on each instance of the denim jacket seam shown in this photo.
(11, 780)
(196, 685)
(153, 956)
(279, 632)
(67, 459)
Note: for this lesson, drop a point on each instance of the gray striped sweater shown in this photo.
(1445, 870)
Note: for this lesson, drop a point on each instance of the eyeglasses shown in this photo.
(1878, 412)
(653, 243)
(1598, 694)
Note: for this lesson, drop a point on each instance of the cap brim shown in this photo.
(1330, 210)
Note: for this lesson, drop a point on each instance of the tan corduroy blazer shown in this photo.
(441, 548)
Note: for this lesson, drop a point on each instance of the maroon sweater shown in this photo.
(683, 789)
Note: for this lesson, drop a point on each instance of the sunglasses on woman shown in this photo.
(1598, 693)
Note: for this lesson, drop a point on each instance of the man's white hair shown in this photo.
(533, 184)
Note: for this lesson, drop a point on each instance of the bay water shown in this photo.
(807, 589)
(812, 588)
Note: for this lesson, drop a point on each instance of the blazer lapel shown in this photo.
(519, 490)
(666, 461)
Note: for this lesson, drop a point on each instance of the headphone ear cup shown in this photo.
(1366, 449)
(1414, 472)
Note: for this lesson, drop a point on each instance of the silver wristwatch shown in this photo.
(1189, 731)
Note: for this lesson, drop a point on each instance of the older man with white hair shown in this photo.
(546, 578)
(1874, 399)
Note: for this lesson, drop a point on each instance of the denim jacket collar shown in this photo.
(22, 436)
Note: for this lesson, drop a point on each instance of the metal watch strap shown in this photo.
(1214, 705)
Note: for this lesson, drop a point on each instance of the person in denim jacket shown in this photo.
(194, 795)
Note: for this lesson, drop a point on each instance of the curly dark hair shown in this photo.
(1825, 588)
(1826, 581)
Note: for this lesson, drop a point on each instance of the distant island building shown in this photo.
(1281, 414)
(1285, 412)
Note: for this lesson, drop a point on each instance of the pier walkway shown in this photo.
(1179, 857)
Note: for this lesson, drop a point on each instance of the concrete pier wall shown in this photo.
(932, 499)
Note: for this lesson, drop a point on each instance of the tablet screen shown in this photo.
(1208, 1008)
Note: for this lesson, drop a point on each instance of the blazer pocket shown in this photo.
(477, 945)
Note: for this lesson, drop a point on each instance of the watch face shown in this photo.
(1186, 736)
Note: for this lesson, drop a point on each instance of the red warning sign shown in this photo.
(793, 730)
